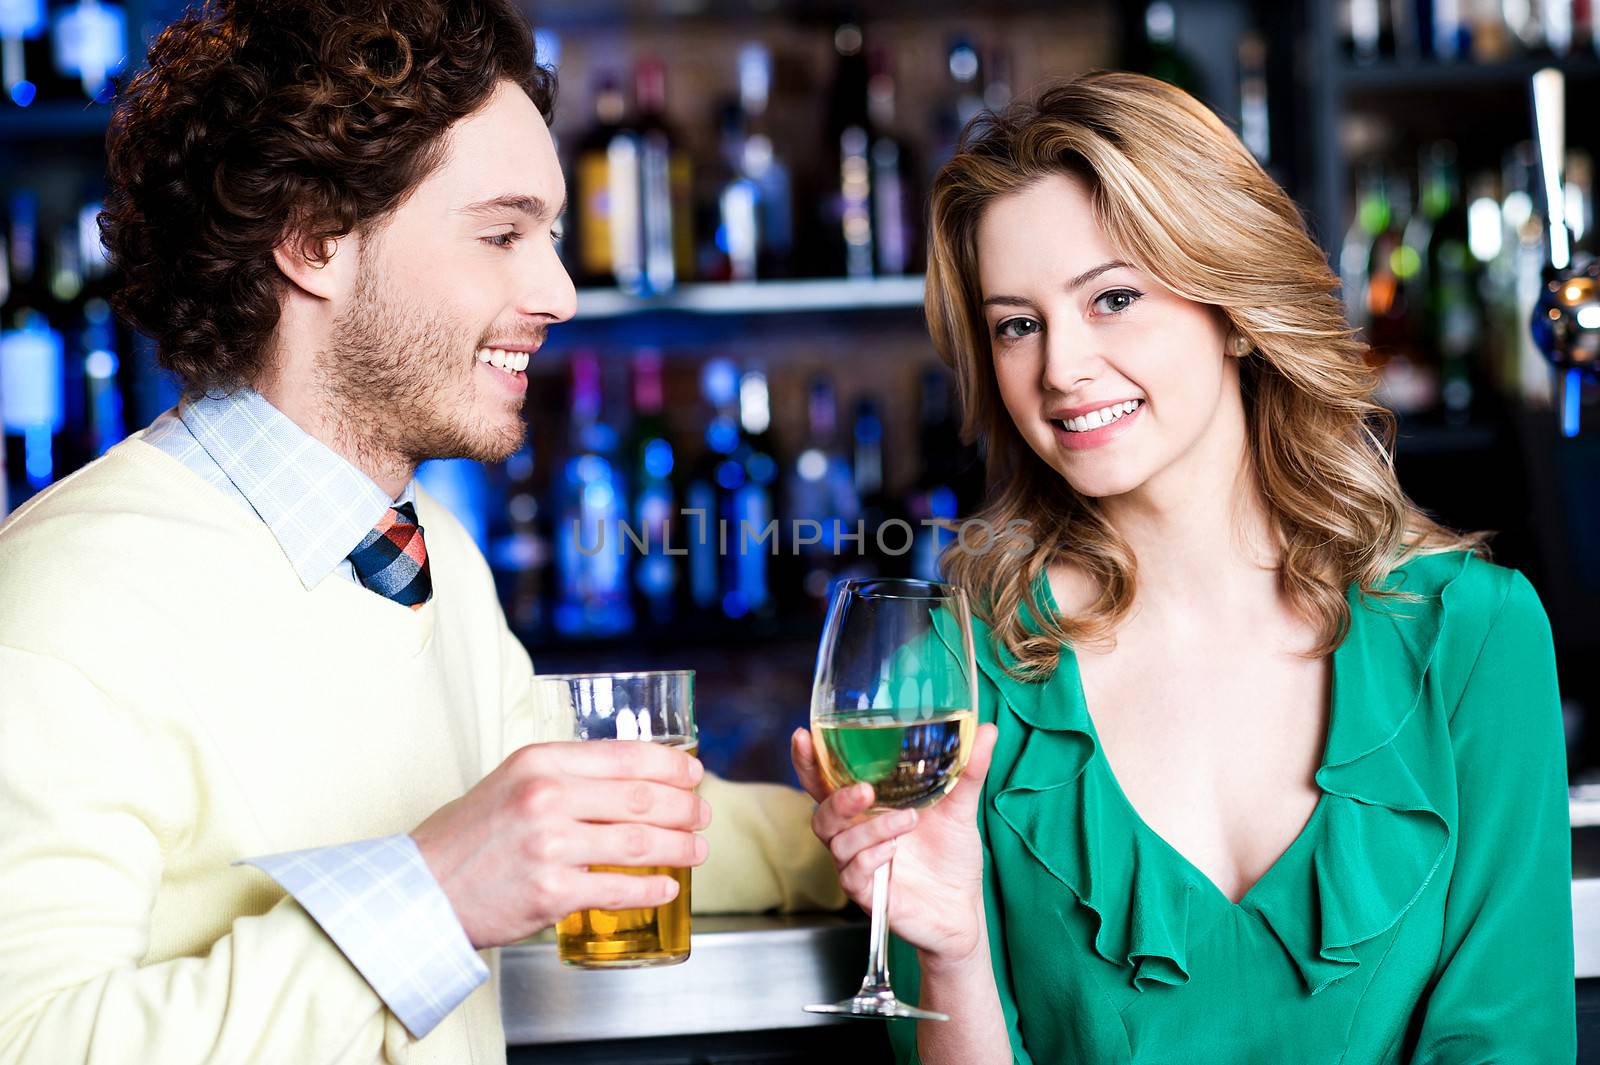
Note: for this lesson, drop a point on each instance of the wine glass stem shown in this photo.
(877, 981)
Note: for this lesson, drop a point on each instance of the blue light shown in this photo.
(1571, 408)
(730, 475)
(23, 92)
(463, 487)
(100, 364)
(658, 458)
(722, 435)
(762, 468)
(734, 606)
(39, 462)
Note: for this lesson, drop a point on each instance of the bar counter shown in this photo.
(753, 975)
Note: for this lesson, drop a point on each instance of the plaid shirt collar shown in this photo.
(316, 503)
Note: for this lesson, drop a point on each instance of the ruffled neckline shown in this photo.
(1372, 815)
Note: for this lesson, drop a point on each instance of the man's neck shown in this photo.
(317, 418)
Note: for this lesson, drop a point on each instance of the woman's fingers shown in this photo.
(963, 798)
(856, 878)
(869, 833)
(841, 810)
(804, 757)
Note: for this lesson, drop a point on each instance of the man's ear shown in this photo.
(323, 267)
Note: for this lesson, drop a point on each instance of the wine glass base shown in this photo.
(877, 1007)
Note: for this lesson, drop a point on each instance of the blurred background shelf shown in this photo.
(1416, 75)
(775, 363)
(54, 120)
(805, 296)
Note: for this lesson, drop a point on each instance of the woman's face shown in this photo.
(1115, 381)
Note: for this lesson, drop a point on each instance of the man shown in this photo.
(272, 785)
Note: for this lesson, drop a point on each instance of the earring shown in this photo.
(1241, 345)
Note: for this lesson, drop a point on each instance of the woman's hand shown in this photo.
(936, 903)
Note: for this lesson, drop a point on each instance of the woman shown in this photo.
(1275, 770)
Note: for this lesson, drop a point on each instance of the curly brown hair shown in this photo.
(258, 120)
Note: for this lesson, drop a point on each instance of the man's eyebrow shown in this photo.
(532, 206)
(1072, 285)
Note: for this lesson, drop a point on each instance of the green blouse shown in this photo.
(1423, 915)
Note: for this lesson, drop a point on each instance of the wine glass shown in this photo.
(894, 704)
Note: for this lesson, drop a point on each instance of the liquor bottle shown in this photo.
(1579, 190)
(935, 497)
(21, 22)
(91, 44)
(1369, 218)
(755, 226)
(606, 183)
(998, 84)
(820, 488)
(1367, 28)
(1162, 58)
(1524, 256)
(747, 479)
(32, 353)
(32, 385)
(1409, 384)
(962, 101)
(666, 197)
(1447, 33)
(655, 572)
(1491, 36)
(894, 210)
(866, 437)
(523, 555)
(593, 564)
(1557, 25)
(705, 537)
(1454, 323)
(848, 208)
(1254, 115)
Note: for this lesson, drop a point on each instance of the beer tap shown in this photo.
(1566, 320)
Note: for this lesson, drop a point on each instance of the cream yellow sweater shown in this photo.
(173, 699)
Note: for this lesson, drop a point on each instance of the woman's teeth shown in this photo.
(1095, 419)
(509, 361)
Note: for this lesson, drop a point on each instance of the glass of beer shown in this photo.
(651, 707)
(894, 704)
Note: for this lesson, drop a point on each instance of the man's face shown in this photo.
(453, 293)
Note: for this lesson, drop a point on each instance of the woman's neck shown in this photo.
(1199, 542)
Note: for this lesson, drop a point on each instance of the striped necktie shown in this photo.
(391, 560)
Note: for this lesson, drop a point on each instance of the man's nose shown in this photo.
(547, 289)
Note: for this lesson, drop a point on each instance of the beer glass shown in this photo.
(652, 707)
(895, 705)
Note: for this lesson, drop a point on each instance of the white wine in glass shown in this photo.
(893, 705)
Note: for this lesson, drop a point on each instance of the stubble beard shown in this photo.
(400, 386)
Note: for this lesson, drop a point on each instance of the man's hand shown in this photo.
(512, 853)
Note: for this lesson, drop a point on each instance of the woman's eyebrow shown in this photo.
(1072, 286)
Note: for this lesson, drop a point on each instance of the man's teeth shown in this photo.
(509, 361)
(1095, 419)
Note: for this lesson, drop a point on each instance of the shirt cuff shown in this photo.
(379, 903)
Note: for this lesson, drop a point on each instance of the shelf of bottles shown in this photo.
(1444, 241)
(747, 406)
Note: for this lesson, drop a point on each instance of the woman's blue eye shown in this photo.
(1117, 300)
(1016, 328)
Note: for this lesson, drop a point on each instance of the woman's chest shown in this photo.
(1215, 747)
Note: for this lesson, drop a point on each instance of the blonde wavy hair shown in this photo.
(1178, 195)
